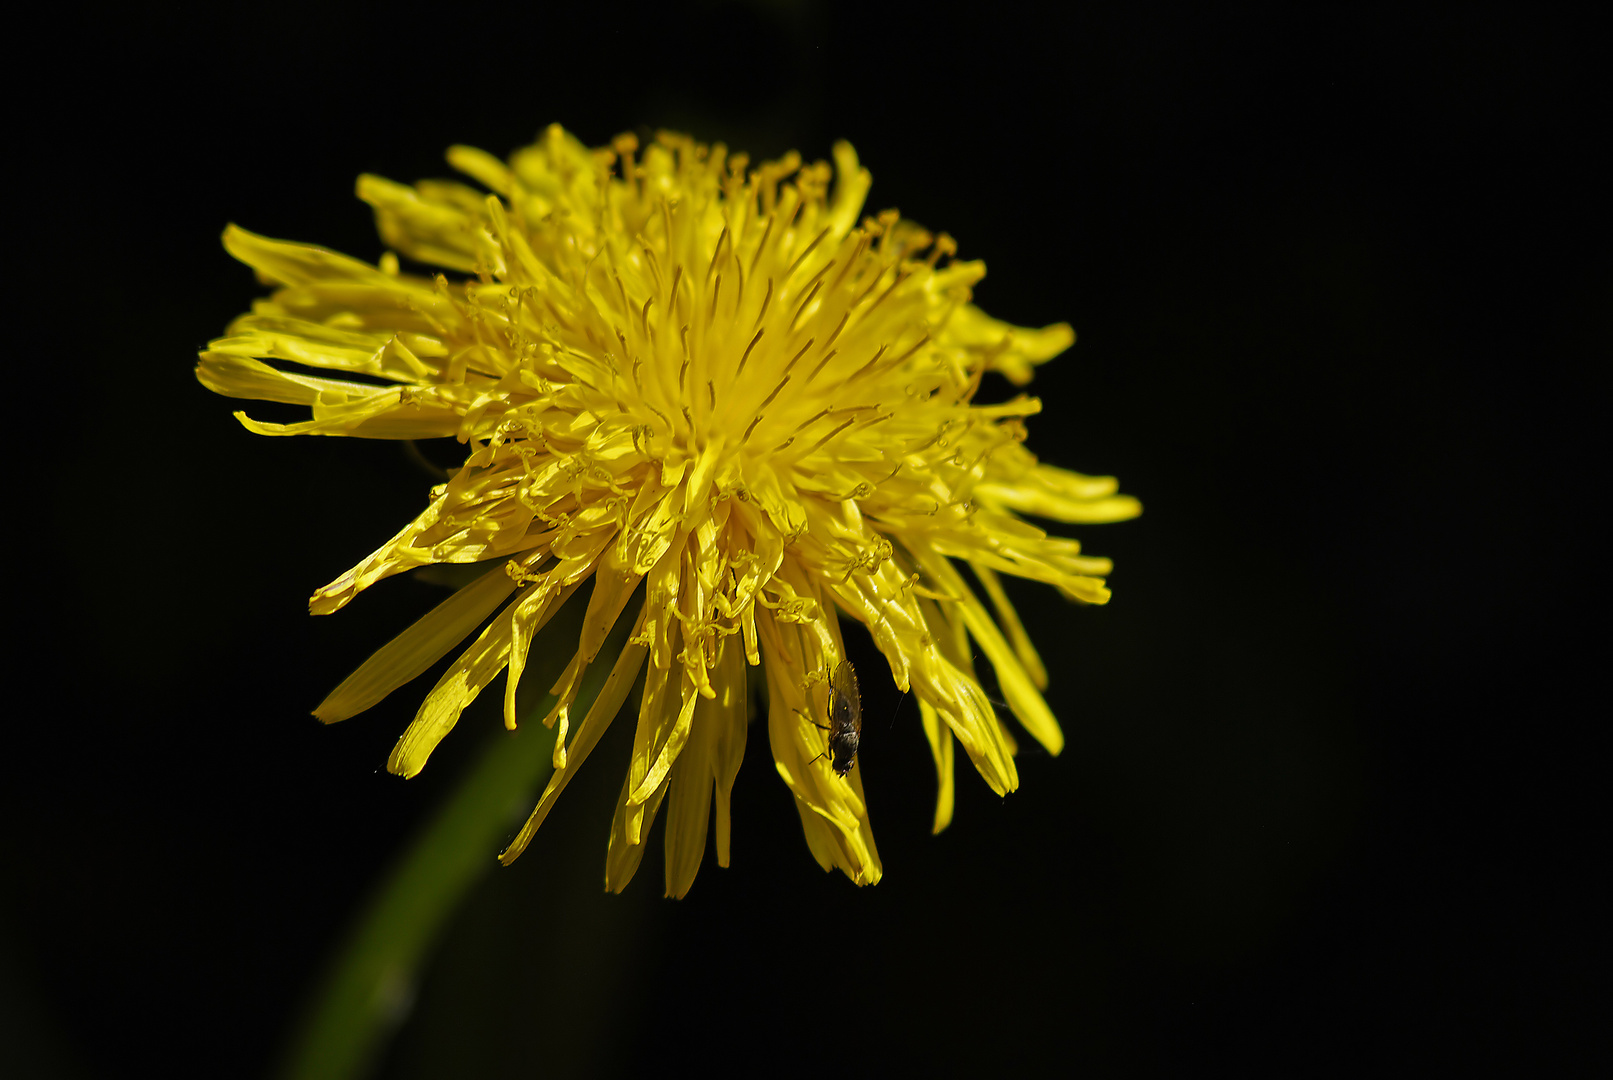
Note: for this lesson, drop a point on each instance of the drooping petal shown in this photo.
(940, 739)
(798, 658)
(604, 709)
(537, 606)
(958, 699)
(628, 830)
(242, 377)
(476, 667)
(729, 715)
(689, 805)
(1017, 687)
(1009, 618)
(410, 653)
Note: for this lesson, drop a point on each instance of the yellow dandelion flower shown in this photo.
(709, 386)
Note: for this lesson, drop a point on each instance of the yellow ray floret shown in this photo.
(729, 403)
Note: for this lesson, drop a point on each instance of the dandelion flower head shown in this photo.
(740, 408)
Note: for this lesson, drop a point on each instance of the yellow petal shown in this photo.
(1023, 648)
(484, 167)
(295, 264)
(958, 699)
(852, 182)
(730, 713)
(1055, 508)
(833, 813)
(476, 667)
(689, 807)
(600, 714)
(613, 584)
(627, 848)
(537, 606)
(243, 377)
(1013, 350)
(665, 735)
(940, 738)
(1022, 696)
(425, 229)
(409, 654)
(382, 414)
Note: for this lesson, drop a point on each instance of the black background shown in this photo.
(1340, 278)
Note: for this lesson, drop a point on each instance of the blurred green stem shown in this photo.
(371, 984)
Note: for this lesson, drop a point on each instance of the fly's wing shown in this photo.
(848, 704)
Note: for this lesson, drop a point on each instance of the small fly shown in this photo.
(845, 725)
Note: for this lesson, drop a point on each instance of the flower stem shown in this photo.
(371, 984)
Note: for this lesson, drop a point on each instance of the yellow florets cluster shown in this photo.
(710, 387)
